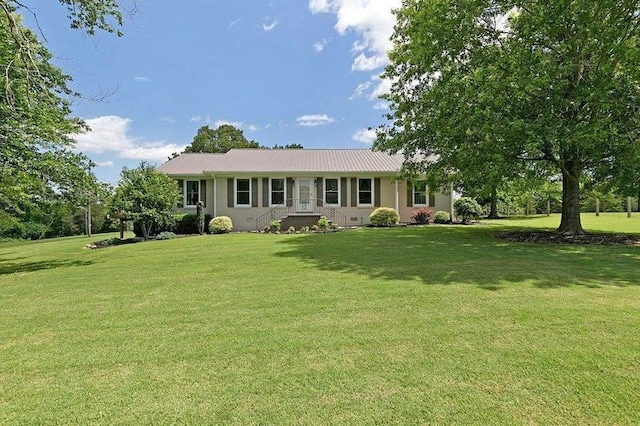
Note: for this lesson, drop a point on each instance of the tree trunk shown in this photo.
(493, 214)
(570, 223)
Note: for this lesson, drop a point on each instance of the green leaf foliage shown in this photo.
(488, 89)
(145, 196)
(219, 140)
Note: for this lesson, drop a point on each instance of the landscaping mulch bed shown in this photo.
(549, 237)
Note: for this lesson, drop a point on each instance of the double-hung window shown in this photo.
(277, 192)
(192, 193)
(365, 192)
(332, 191)
(243, 192)
(420, 193)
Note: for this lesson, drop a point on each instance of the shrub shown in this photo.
(323, 222)
(274, 225)
(188, 223)
(423, 215)
(468, 209)
(441, 217)
(220, 225)
(384, 216)
(166, 235)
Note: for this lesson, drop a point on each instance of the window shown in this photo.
(332, 191)
(243, 192)
(365, 192)
(420, 193)
(192, 192)
(277, 191)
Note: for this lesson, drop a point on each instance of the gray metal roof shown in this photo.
(284, 161)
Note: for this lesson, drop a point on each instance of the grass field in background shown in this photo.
(433, 324)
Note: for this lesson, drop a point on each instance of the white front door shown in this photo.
(304, 202)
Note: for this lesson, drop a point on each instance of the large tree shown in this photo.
(220, 140)
(146, 196)
(551, 87)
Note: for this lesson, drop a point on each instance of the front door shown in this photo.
(304, 202)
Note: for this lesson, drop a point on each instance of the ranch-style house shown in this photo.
(255, 186)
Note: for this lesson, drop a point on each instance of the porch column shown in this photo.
(397, 197)
(215, 196)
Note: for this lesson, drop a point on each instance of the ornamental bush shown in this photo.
(274, 225)
(323, 222)
(384, 216)
(220, 225)
(422, 216)
(467, 209)
(441, 217)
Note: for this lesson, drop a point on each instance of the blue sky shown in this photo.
(284, 71)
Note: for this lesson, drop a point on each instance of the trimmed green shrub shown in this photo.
(166, 235)
(220, 225)
(384, 216)
(422, 216)
(323, 222)
(441, 217)
(274, 225)
(188, 223)
(468, 209)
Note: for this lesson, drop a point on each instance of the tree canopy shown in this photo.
(146, 196)
(219, 140)
(550, 88)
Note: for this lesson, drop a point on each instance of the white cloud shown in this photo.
(381, 105)
(110, 134)
(167, 120)
(233, 24)
(372, 89)
(312, 120)
(141, 78)
(196, 119)
(108, 163)
(238, 124)
(365, 136)
(320, 45)
(320, 6)
(372, 21)
(269, 26)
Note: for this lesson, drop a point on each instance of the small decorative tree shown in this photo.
(146, 196)
(384, 216)
(200, 216)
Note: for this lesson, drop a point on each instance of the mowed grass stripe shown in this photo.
(414, 325)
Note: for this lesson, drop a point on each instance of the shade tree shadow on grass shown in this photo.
(13, 266)
(471, 255)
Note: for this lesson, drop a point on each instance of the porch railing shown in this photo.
(332, 213)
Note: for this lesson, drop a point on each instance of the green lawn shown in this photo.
(435, 324)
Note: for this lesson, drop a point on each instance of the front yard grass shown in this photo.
(434, 324)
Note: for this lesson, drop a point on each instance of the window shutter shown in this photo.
(254, 192)
(265, 192)
(230, 192)
(181, 191)
(432, 199)
(203, 192)
(289, 192)
(343, 192)
(320, 190)
(409, 194)
(354, 192)
(376, 190)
